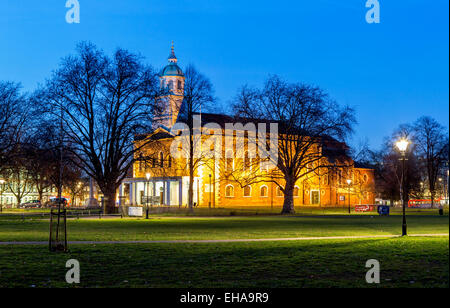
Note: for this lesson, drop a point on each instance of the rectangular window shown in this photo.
(315, 197)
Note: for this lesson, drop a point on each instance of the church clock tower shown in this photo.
(172, 81)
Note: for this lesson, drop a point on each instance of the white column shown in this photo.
(168, 193)
(120, 194)
(131, 194)
(180, 189)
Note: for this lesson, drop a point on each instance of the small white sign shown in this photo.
(135, 211)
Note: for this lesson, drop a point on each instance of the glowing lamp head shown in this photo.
(2, 181)
(148, 176)
(349, 181)
(402, 145)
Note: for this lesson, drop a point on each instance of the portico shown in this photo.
(169, 190)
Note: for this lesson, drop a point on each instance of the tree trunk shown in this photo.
(432, 198)
(110, 201)
(288, 204)
(40, 195)
(191, 194)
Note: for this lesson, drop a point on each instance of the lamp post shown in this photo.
(146, 197)
(447, 197)
(210, 192)
(402, 146)
(2, 183)
(349, 182)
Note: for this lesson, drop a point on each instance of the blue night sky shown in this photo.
(392, 72)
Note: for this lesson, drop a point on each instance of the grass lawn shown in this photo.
(189, 228)
(405, 262)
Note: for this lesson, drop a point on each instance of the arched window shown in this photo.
(264, 191)
(180, 85)
(170, 85)
(247, 191)
(296, 191)
(161, 159)
(279, 192)
(365, 178)
(229, 191)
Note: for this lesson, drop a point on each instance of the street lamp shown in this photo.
(402, 146)
(148, 175)
(2, 183)
(349, 182)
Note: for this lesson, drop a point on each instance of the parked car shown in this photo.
(34, 204)
(54, 202)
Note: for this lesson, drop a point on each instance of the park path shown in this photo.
(227, 241)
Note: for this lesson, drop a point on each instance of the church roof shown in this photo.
(172, 69)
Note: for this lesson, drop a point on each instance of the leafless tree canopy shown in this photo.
(432, 143)
(307, 119)
(12, 119)
(103, 103)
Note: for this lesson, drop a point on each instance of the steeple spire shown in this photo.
(172, 57)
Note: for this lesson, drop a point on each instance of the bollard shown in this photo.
(441, 212)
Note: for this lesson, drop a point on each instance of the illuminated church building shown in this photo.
(155, 173)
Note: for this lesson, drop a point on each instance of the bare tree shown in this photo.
(388, 172)
(432, 143)
(13, 113)
(16, 174)
(103, 103)
(198, 94)
(309, 124)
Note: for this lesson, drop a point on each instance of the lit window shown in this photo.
(279, 192)
(296, 191)
(229, 191)
(264, 191)
(161, 159)
(247, 191)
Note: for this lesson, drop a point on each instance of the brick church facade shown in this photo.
(165, 179)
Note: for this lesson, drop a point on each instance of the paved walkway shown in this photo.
(227, 241)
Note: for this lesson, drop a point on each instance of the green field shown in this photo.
(201, 228)
(405, 262)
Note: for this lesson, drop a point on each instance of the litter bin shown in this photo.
(383, 210)
(441, 211)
